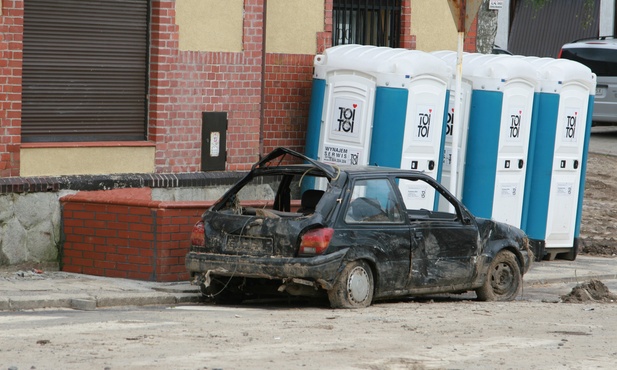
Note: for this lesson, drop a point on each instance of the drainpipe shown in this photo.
(263, 79)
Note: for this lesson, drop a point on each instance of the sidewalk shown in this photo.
(26, 290)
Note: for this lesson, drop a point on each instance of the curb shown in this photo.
(88, 303)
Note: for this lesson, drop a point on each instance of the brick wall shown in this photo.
(186, 83)
(123, 233)
(11, 51)
(470, 37)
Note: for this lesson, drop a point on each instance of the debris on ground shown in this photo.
(591, 291)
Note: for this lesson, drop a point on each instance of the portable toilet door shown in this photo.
(409, 120)
(561, 128)
(499, 132)
(450, 57)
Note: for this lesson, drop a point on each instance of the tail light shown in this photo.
(560, 52)
(315, 241)
(198, 236)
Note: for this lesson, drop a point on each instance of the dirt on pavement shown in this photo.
(599, 222)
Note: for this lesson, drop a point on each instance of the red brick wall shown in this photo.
(470, 37)
(11, 51)
(186, 83)
(122, 233)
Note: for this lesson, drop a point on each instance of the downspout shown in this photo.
(263, 79)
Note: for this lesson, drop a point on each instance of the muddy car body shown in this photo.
(358, 240)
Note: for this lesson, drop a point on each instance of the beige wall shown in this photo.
(293, 26)
(432, 23)
(86, 160)
(217, 25)
(210, 25)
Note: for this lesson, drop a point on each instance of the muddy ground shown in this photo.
(599, 222)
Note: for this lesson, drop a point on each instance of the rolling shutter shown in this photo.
(542, 31)
(84, 70)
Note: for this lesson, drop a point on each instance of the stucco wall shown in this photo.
(433, 25)
(210, 25)
(216, 25)
(293, 25)
(81, 160)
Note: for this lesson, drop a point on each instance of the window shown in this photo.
(415, 195)
(367, 22)
(84, 70)
(373, 201)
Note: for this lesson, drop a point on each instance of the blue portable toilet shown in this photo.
(450, 57)
(556, 172)
(410, 119)
(340, 123)
(379, 106)
(498, 138)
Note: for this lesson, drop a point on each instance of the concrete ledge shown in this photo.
(83, 304)
(135, 299)
(5, 305)
(28, 303)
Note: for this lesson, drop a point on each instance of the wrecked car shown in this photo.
(355, 234)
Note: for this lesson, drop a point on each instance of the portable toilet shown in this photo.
(410, 118)
(341, 109)
(342, 103)
(450, 57)
(555, 175)
(498, 138)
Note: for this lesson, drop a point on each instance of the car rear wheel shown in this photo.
(503, 280)
(354, 287)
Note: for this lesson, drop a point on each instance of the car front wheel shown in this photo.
(503, 279)
(354, 287)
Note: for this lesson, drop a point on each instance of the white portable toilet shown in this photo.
(410, 117)
(450, 57)
(555, 176)
(341, 115)
(498, 137)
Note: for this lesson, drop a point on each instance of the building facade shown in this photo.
(138, 86)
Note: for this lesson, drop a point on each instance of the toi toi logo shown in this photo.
(346, 120)
(450, 123)
(424, 124)
(515, 125)
(571, 126)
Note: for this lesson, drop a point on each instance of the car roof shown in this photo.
(355, 170)
(271, 163)
(602, 42)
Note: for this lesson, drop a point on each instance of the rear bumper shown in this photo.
(323, 268)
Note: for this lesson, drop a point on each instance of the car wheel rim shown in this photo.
(358, 285)
(502, 278)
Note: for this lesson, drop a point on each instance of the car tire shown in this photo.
(219, 293)
(354, 287)
(503, 279)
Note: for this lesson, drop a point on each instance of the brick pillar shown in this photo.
(470, 37)
(11, 57)
(408, 41)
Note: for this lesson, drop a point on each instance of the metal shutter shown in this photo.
(84, 70)
(541, 32)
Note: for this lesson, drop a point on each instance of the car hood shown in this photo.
(497, 234)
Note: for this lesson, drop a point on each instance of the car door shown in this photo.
(444, 243)
(376, 228)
